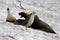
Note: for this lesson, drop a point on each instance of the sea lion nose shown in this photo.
(21, 13)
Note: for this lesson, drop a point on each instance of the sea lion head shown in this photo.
(25, 14)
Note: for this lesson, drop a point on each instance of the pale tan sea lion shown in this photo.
(10, 17)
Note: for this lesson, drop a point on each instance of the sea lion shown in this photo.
(10, 17)
(38, 23)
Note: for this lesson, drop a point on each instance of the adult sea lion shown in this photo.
(38, 23)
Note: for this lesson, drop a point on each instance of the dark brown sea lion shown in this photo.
(38, 24)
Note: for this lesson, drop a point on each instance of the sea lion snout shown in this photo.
(23, 14)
